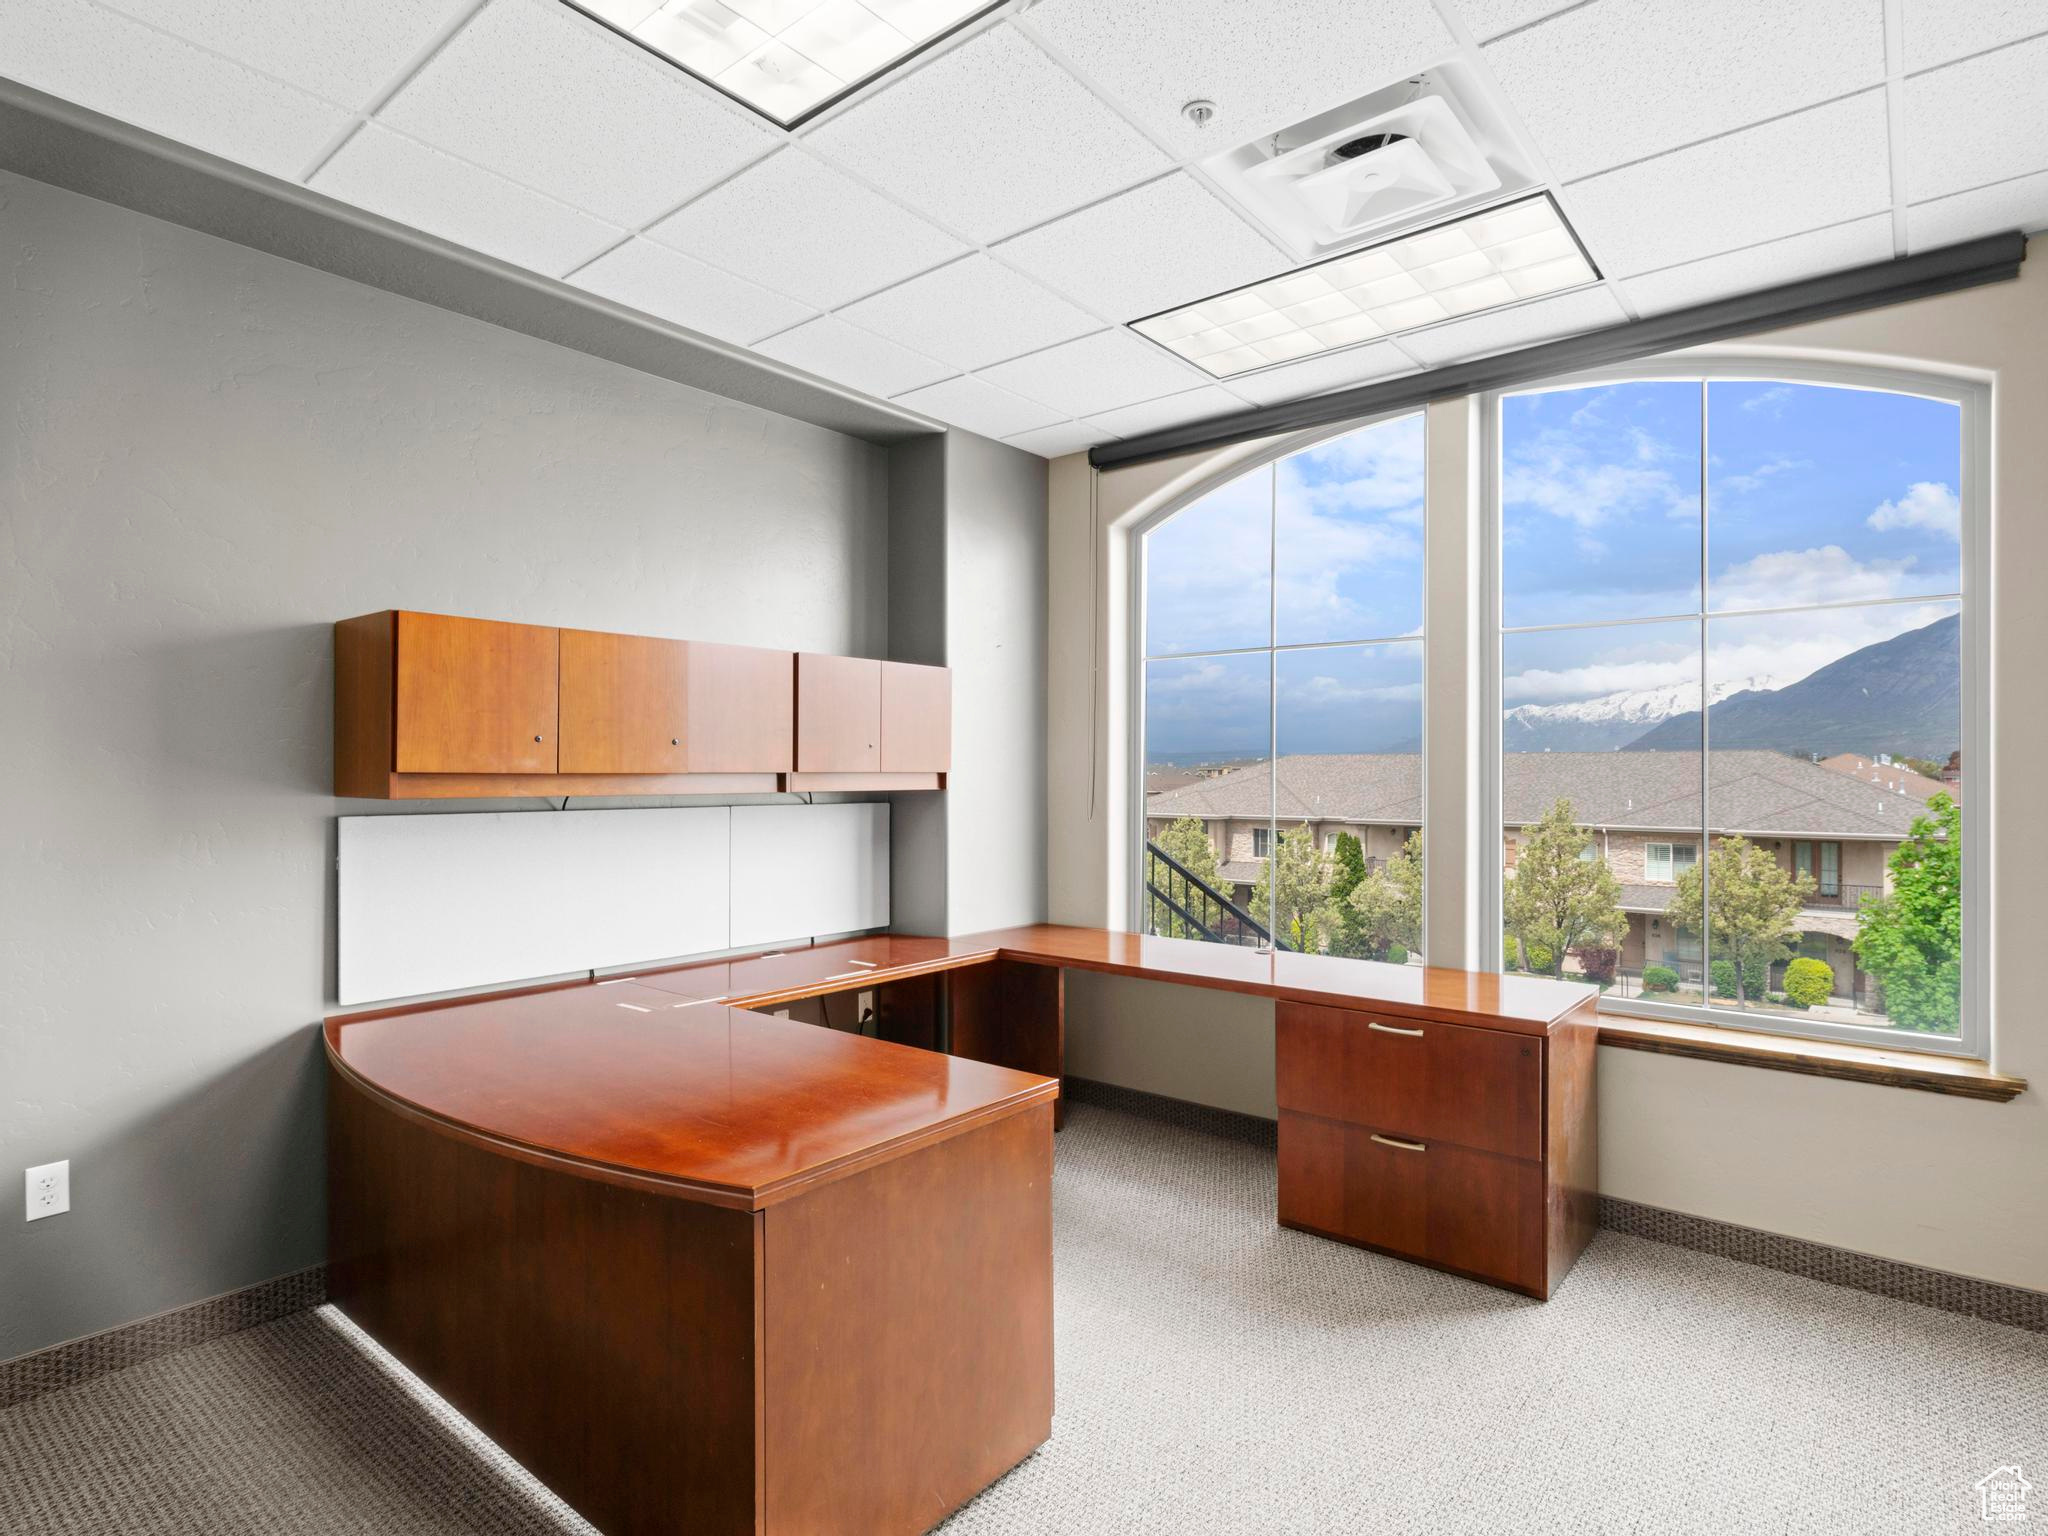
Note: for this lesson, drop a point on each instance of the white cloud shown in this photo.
(1552, 472)
(1771, 400)
(1788, 578)
(1756, 477)
(1926, 504)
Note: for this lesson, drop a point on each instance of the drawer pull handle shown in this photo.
(1395, 1141)
(1388, 1029)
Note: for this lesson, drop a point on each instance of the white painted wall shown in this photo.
(207, 456)
(1951, 1183)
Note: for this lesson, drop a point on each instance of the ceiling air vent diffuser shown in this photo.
(1413, 153)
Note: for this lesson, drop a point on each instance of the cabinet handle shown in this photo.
(1395, 1141)
(1388, 1029)
(536, 738)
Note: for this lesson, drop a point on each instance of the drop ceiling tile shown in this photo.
(124, 69)
(672, 286)
(848, 355)
(1980, 121)
(1173, 411)
(1490, 18)
(405, 180)
(989, 138)
(1620, 80)
(1265, 66)
(1320, 375)
(1096, 373)
(1055, 442)
(1824, 166)
(2018, 204)
(801, 228)
(345, 50)
(1541, 320)
(1166, 243)
(1855, 244)
(1937, 31)
(980, 407)
(972, 313)
(536, 92)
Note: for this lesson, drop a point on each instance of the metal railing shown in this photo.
(1180, 904)
(1847, 896)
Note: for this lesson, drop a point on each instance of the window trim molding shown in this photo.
(1134, 528)
(1973, 395)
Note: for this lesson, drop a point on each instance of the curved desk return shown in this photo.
(700, 1268)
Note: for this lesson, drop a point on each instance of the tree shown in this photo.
(1559, 899)
(1754, 908)
(1186, 841)
(1383, 913)
(1293, 891)
(1912, 939)
(1347, 871)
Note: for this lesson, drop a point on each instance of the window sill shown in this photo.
(1817, 1058)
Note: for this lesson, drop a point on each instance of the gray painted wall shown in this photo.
(206, 456)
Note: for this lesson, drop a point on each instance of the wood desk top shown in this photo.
(639, 1086)
(1524, 1004)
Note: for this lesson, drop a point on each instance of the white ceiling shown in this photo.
(968, 236)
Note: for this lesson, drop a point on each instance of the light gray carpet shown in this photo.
(1215, 1375)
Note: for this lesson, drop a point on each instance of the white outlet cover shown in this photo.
(48, 1190)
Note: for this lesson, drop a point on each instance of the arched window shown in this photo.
(1282, 703)
(1737, 662)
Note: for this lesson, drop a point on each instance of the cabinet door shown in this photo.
(742, 709)
(475, 696)
(838, 714)
(625, 703)
(917, 718)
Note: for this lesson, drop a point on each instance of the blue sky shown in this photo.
(1816, 495)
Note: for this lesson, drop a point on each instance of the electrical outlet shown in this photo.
(49, 1190)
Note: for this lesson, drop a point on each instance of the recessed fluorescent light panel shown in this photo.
(1485, 261)
(787, 59)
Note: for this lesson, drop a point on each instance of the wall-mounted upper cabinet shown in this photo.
(635, 704)
(864, 724)
(427, 706)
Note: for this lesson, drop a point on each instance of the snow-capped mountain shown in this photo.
(1612, 720)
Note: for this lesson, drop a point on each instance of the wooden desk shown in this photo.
(1442, 1116)
(701, 1269)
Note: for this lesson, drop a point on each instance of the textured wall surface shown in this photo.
(207, 455)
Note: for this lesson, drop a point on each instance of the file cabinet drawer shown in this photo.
(1478, 1213)
(1478, 1088)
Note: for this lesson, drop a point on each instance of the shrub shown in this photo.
(1809, 983)
(1540, 959)
(1597, 963)
(1510, 960)
(1756, 978)
(1396, 955)
(1659, 978)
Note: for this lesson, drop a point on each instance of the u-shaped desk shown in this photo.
(702, 1268)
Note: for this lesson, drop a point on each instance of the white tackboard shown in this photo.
(438, 903)
(808, 870)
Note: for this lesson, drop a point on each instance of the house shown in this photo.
(1884, 771)
(1641, 807)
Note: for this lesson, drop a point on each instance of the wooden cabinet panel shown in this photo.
(1474, 1212)
(917, 718)
(475, 696)
(1480, 1088)
(742, 709)
(838, 714)
(625, 703)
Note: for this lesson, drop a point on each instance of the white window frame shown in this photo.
(1136, 655)
(1974, 399)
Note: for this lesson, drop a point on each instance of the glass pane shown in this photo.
(1601, 734)
(1208, 583)
(1208, 794)
(1348, 545)
(1819, 494)
(1349, 877)
(1600, 503)
(1834, 885)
